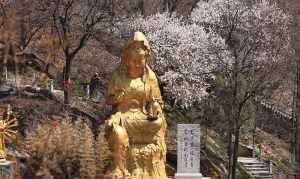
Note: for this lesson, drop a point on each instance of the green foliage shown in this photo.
(281, 163)
(183, 118)
(188, 116)
(33, 70)
(103, 112)
(77, 88)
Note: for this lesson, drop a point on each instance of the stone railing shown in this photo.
(274, 119)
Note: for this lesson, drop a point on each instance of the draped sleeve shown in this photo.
(154, 87)
(114, 88)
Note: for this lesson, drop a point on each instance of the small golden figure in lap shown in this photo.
(136, 132)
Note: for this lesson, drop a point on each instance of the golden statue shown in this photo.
(7, 132)
(136, 131)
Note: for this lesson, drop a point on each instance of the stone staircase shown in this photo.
(258, 169)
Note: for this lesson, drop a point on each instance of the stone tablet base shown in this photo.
(6, 169)
(188, 176)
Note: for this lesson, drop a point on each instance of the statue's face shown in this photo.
(136, 61)
(136, 67)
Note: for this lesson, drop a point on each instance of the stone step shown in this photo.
(261, 175)
(255, 165)
(246, 159)
(255, 172)
(267, 170)
(258, 168)
(264, 177)
(252, 162)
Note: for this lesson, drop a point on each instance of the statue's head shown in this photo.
(135, 55)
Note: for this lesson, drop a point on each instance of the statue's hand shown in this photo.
(151, 118)
(120, 94)
(108, 128)
(109, 123)
(154, 111)
(114, 119)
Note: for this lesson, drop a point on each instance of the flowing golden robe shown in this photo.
(136, 100)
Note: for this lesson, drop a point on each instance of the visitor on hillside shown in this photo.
(259, 152)
(95, 86)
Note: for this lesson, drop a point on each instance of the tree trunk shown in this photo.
(16, 68)
(235, 151)
(293, 137)
(254, 137)
(67, 81)
(5, 61)
(22, 26)
(234, 117)
(230, 154)
(296, 124)
(294, 10)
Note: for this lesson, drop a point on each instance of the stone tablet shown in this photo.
(6, 169)
(188, 151)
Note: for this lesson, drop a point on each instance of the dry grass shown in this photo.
(63, 150)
